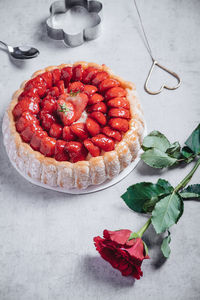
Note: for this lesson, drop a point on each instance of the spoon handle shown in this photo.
(4, 44)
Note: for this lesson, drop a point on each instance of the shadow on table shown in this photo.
(98, 270)
(154, 242)
(41, 35)
(10, 178)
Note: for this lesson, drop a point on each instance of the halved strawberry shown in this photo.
(56, 73)
(77, 72)
(92, 127)
(56, 130)
(68, 134)
(108, 84)
(32, 93)
(101, 106)
(48, 104)
(47, 76)
(80, 102)
(99, 117)
(76, 151)
(66, 75)
(26, 104)
(115, 92)
(119, 112)
(36, 139)
(75, 87)
(60, 152)
(28, 132)
(47, 146)
(94, 150)
(112, 133)
(89, 89)
(103, 142)
(65, 109)
(119, 124)
(61, 87)
(80, 130)
(99, 77)
(118, 102)
(37, 83)
(88, 74)
(53, 91)
(95, 98)
(25, 120)
(46, 120)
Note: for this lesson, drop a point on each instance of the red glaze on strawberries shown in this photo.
(60, 152)
(76, 151)
(94, 150)
(92, 127)
(80, 130)
(56, 130)
(36, 139)
(99, 117)
(77, 73)
(66, 75)
(103, 142)
(51, 112)
(119, 124)
(108, 84)
(47, 146)
(26, 104)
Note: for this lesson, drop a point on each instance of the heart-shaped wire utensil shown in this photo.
(155, 63)
(164, 86)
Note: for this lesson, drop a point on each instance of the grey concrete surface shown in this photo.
(46, 248)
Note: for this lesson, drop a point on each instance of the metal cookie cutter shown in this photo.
(91, 32)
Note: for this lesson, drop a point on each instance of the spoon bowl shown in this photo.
(21, 52)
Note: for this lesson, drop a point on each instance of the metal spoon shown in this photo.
(21, 52)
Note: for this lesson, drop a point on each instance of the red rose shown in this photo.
(126, 256)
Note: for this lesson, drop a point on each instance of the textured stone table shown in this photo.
(46, 248)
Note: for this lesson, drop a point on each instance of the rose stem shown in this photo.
(187, 178)
(144, 228)
(180, 186)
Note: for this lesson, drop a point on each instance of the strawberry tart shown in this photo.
(72, 126)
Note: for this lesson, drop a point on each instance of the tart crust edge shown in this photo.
(80, 175)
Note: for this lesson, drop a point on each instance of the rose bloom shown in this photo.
(126, 256)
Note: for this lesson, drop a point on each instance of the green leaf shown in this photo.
(191, 192)
(137, 194)
(193, 142)
(165, 185)
(186, 196)
(156, 139)
(174, 150)
(157, 159)
(165, 246)
(167, 212)
(187, 154)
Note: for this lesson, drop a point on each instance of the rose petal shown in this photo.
(118, 236)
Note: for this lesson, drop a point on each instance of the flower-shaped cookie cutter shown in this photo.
(94, 8)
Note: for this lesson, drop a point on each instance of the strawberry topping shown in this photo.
(60, 152)
(94, 150)
(103, 142)
(51, 112)
(76, 151)
(47, 146)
